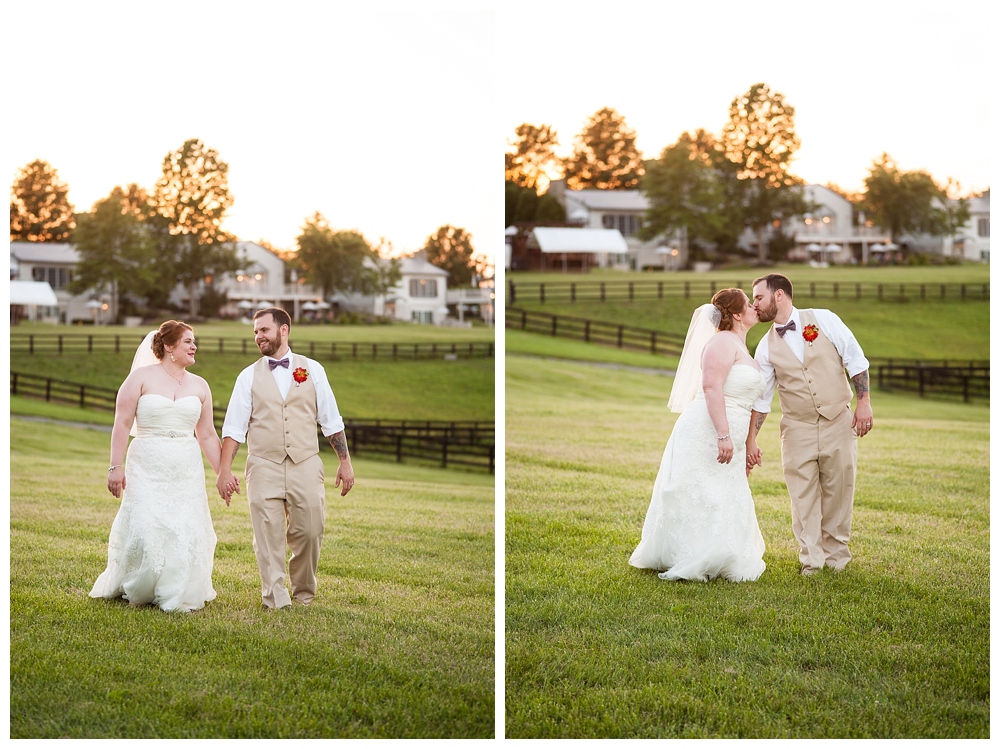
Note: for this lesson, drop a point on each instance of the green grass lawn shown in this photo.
(422, 389)
(399, 643)
(895, 646)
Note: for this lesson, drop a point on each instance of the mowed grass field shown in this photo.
(929, 329)
(895, 646)
(399, 642)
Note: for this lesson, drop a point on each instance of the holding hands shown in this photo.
(227, 483)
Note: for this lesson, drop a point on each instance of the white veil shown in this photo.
(144, 356)
(687, 381)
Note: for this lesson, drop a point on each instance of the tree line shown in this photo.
(711, 188)
(139, 244)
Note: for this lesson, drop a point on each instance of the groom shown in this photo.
(805, 353)
(275, 407)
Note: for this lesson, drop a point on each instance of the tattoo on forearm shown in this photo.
(338, 442)
(861, 384)
(758, 423)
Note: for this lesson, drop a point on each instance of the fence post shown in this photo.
(812, 289)
(554, 324)
(963, 292)
(965, 389)
(602, 291)
(60, 344)
(513, 292)
(857, 291)
(90, 344)
(836, 290)
(541, 293)
(711, 287)
(31, 344)
(83, 395)
(354, 350)
(621, 331)
(444, 451)
(572, 292)
(244, 346)
(586, 331)
(394, 347)
(524, 319)
(920, 380)
(13, 384)
(116, 343)
(902, 292)
(923, 291)
(687, 289)
(880, 292)
(312, 349)
(631, 290)
(942, 291)
(399, 448)
(48, 389)
(652, 342)
(659, 289)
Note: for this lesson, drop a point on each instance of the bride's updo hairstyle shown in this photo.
(169, 334)
(729, 302)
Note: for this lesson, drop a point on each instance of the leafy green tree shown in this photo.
(192, 197)
(117, 250)
(604, 154)
(759, 138)
(523, 205)
(685, 190)
(533, 158)
(334, 260)
(40, 210)
(909, 202)
(450, 249)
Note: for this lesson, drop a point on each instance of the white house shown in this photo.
(972, 241)
(53, 263)
(622, 210)
(421, 294)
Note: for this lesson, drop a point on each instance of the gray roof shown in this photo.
(414, 266)
(45, 252)
(610, 200)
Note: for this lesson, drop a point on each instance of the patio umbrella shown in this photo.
(309, 306)
(245, 305)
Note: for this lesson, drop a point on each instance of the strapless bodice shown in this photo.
(742, 387)
(158, 416)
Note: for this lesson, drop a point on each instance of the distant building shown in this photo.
(54, 263)
(970, 242)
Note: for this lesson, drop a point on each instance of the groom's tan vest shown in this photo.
(817, 386)
(279, 428)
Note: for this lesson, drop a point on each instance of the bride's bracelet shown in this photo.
(114, 467)
(722, 438)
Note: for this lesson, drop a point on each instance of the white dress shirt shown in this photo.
(238, 414)
(833, 328)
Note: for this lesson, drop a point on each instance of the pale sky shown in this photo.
(907, 78)
(380, 116)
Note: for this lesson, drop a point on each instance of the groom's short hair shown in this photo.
(279, 316)
(774, 282)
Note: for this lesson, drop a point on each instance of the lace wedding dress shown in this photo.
(701, 521)
(162, 541)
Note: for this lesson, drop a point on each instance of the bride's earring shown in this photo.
(172, 358)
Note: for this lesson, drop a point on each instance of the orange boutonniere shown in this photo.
(810, 333)
(300, 375)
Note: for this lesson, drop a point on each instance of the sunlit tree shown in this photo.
(192, 197)
(909, 202)
(450, 249)
(532, 162)
(40, 210)
(604, 154)
(760, 139)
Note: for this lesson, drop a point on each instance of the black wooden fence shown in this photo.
(594, 331)
(50, 343)
(970, 380)
(470, 444)
(621, 290)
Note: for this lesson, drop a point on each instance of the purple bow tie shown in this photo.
(279, 363)
(781, 329)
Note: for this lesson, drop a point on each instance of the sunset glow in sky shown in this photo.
(910, 79)
(382, 119)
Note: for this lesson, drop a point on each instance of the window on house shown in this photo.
(984, 227)
(57, 278)
(626, 223)
(426, 317)
(423, 287)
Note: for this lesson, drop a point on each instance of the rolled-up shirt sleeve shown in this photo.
(763, 404)
(238, 413)
(327, 413)
(843, 340)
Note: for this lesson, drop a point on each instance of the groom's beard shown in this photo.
(767, 314)
(269, 345)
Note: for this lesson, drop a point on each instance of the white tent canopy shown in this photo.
(552, 240)
(32, 293)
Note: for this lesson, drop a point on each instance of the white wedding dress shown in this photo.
(701, 523)
(162, 541)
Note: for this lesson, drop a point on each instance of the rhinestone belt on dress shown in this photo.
(172, 434)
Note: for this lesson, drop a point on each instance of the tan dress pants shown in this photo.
(820, 464)
(287, 503)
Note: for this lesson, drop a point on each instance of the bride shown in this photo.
(701, 522)
(162, 541)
